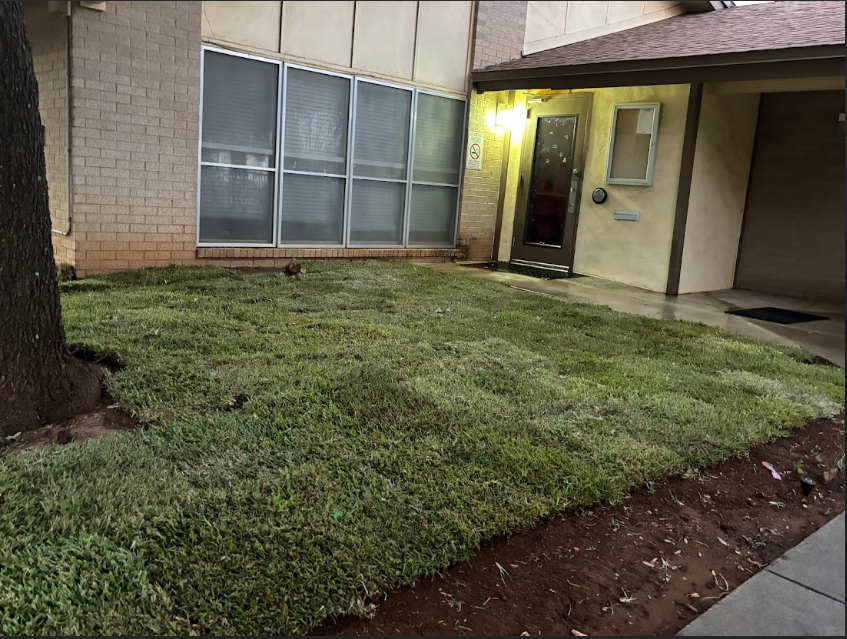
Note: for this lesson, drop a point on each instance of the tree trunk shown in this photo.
(40, 381)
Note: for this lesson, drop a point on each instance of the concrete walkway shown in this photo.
(800, 594)
(823, 338)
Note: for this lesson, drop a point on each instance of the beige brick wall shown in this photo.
(48, 38)
(500, 28)
(499, 37)
(135, 99)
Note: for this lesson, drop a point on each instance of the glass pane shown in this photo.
(239, 110)
(312, 209)
(433, 215)
(316, 110)
(382, 131)
(236, 205)
(552, 169)
(438, 139)
(376, 213)
(631, 149)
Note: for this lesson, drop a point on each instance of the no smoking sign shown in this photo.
(476, 146)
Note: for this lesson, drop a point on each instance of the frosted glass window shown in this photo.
(382, 131)
(239, 110)
(376, 214)
(432, 220)
(312, 209)
(236, 205)
(316, 113)
(439, 134)
(632, 148)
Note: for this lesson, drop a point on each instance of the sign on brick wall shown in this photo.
(476, 145)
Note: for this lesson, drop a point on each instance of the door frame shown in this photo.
(559, 105)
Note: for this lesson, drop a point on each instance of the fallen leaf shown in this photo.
(723, 542)
(577, 633)
(694, 595)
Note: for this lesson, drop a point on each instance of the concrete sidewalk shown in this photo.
(822, 338)
(800, 594)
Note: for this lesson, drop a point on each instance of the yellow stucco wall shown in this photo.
(636, 253)
(721, 169)
(423, 43)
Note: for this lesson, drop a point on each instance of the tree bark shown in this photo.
(40, 381)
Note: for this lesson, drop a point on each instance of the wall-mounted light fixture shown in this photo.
(505, 118)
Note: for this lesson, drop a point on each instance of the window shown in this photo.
(293, 156)
(632, 147)
(238, 150)
(314, 182)
(380, 164)
(439, 129)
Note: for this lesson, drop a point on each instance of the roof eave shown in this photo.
(748, 65)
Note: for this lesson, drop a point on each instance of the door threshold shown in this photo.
(538, 270)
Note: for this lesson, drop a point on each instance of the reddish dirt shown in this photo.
(648, 566)
(101, 422)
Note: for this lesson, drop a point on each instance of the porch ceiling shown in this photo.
(762, 41)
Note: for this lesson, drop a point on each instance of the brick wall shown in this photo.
(499, 37)
(135, 94)
(500, 28)
(48, 38)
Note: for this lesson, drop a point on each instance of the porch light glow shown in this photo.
(506, 117)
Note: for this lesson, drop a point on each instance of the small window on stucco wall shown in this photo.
(632, 145)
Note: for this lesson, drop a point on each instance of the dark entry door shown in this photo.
(550, 181)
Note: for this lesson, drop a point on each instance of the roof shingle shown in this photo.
(758, 27)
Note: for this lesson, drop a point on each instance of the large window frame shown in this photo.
(279, 171)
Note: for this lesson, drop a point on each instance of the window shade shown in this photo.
(382, 131)
(316, 114)
(239, 110)
(236, 205)
(376, 215)
(438, 139)
(312, 209)
(432, 219)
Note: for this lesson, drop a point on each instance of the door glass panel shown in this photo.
(552, 170)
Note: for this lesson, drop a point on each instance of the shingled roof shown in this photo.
(766, 27)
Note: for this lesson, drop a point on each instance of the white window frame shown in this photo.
(277, 158)
(280, 171)
(651, 153)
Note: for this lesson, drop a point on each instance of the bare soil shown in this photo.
(103, 421)
(648, 566)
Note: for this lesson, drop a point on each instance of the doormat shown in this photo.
(777, 315)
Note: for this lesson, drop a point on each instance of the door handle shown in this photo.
(572, 193)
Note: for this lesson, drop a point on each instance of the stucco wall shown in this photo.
(48, 38)
(793, 240)
(554, 24)
(636, 253)
(722, 157)
(424, 43)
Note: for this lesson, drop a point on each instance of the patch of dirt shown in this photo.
(101, 422)
(648, 566)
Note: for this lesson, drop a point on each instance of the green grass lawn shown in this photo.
(397, 418)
